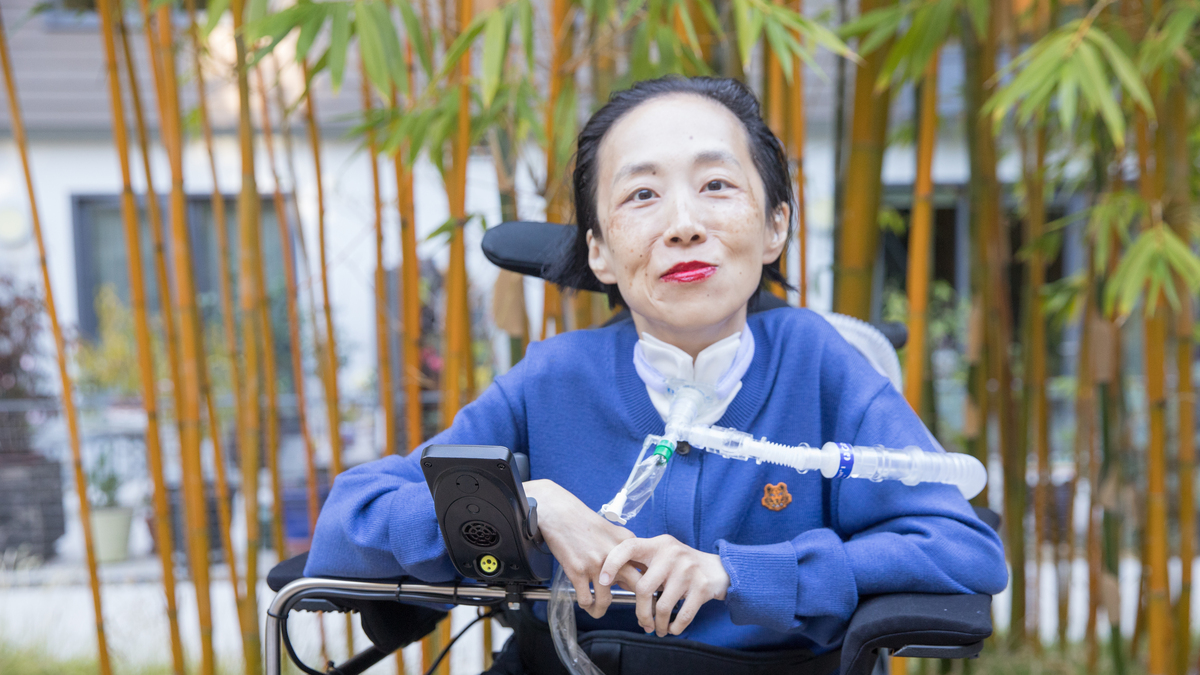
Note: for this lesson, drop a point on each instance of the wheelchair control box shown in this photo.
(488, 524)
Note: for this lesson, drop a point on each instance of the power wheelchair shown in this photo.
(506, 566)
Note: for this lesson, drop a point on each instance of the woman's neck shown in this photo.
(691, 339)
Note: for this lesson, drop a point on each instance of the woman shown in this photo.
(683, 205)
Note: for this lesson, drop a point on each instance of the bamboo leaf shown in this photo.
(339, 42)
(1124, 69)
(1096, 88)
(370, 46)
(309, 29)
(525, 20)
(416, 36)
(749, 26)
(461, 45)
(216, 8)
(495, 51)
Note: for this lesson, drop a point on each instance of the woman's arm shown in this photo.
(883, 538)
(379, 521)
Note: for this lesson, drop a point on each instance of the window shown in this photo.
(101, 260)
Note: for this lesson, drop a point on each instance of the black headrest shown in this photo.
(530, 248)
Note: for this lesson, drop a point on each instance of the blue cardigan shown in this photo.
(577, 406)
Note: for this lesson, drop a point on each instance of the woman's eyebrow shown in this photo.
(716, 157)
(635, 170)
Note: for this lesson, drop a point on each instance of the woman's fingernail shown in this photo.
(605, 579)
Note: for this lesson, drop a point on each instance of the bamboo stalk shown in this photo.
(776, 90)
(1158, 601)
(1035, 354)
(457, 358)
(329, 374)
(920, 241)
(798, 136)
(191, 357)
(560, 53)
(992, 254)
(858, 239)
(293, 319)
(249, 288)
(68, 396)
(154, 461)
(410, 271)
(1177, 210)
(382, 334)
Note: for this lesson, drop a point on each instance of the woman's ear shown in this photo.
(775, 235)
(599, 260)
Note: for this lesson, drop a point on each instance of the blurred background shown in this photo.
(302, 188)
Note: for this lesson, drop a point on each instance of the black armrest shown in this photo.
(389, 625)
(943, 626)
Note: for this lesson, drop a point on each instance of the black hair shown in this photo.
(766, 150)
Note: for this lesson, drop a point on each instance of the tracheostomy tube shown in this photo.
(689, 400)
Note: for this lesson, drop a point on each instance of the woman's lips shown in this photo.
(689, 272)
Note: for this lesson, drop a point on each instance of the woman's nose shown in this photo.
(684, 227)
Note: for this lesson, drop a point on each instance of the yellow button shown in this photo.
(488, 564)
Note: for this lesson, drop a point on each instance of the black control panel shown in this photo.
(488, 524)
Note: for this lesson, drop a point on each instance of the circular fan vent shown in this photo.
(480, 534)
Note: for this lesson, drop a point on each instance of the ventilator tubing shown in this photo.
(689, 401)
(910, 465)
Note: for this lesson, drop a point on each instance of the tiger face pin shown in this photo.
(776, 497)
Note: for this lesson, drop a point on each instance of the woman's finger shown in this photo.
(601, 600)
(671, 594)
(583, 590)
(645, 588)
(691, 605)
(620, 555)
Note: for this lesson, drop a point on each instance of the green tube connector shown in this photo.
(665, 449)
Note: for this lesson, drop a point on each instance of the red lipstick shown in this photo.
(689, 272)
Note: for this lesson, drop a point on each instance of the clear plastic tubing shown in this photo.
(910, 465)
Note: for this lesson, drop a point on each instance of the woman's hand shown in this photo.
(679, 570)
(580, 540)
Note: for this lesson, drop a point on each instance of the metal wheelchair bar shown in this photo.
(300, 589)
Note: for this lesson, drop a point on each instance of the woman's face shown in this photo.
(683, 223)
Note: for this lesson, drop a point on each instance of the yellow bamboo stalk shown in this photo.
(555, 208)
(920, 240)
(382, 334)
(191, 357)
(329, 375)
(858, 239)
(224, 273)
(410, 272)
(1158, 602)
(798, 136)
(68, 396)
(162, 514)
(777, 94)
(250, 287)
(1177, 162)
(457, 359)
(293, 318)
(1035, 350)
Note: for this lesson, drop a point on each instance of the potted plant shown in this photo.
(110, 521)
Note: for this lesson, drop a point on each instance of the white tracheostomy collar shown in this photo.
(719, 367)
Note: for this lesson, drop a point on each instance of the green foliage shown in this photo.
(1080, 67)
(1151, 264)
(782, 25)
(1063, 300)
(109, 365)
(103, 480)
(890, 220)
(920, 28)
(1166, 43)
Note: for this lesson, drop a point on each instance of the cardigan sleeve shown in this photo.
(881, 537)
(379, 522)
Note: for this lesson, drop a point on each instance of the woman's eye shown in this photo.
(714, 185)
(643, 194)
